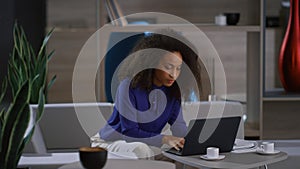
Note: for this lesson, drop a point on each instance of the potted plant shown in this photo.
(24, 64)
(27, 79)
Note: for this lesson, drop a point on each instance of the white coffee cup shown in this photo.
(220, 20)
(212, 152)
(267, 147)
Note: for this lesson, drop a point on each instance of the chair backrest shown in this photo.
(68, 126)
(120, 45)
(213, 109)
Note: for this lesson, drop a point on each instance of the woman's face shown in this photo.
(168, 70)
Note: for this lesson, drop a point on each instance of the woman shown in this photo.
(154, 78)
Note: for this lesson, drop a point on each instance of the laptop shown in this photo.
(211, 132)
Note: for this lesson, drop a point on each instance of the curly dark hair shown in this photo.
(144, 58)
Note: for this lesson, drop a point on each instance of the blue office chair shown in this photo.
(117, 53)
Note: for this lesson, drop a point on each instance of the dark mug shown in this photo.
(232, 18)
(92, 157)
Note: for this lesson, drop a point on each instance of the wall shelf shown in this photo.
(280, 95)
(204, 27)
(276, 98)
(239, 28)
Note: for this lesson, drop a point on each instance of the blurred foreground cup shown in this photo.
(92, 157)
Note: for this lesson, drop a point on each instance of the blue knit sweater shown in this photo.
(140, 115)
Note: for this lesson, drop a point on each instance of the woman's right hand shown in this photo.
(176, 142)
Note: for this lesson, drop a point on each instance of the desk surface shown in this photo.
(65, 158)
(127, 164)
(232, 160)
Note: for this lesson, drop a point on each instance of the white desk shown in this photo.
(127, 164)
(232, 160)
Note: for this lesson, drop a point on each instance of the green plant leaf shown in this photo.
(36, 87)
(41, 104)
(3, 92)
(1, 127)
(3, 89)
(51, 82)
(50, 55)
(44, 44)
(24, 142)
(21, 98)
(16, 137)
(15, 112)
(13, 79)
(2, 116)
(16, 37)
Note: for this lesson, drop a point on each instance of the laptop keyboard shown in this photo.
(174, 151)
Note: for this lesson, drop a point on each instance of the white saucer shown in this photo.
(259, 151)
(204, 157)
